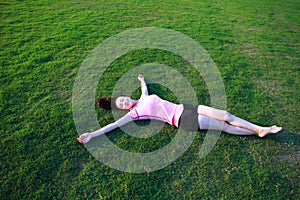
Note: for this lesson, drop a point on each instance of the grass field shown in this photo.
(255, 45)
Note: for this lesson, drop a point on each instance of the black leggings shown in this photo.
(188, 121)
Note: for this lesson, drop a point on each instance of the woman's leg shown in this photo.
(223, 115)
(206, 123)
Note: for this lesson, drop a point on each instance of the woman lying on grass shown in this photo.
(185, 116)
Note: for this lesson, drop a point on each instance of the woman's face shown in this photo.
(124, 103)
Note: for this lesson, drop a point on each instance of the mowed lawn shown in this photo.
(255, 45)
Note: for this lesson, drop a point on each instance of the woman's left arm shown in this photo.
(143, 84)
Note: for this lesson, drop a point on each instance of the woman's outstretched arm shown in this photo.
(143, 85)
(86, 137)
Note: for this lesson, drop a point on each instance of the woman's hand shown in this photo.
(143, 84)
(141, 77)
(84, 138)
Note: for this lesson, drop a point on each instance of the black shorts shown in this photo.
(188, 120)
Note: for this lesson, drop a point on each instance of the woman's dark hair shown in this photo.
(107, 103)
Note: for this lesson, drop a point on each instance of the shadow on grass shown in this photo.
(290, 153)
(289, 138)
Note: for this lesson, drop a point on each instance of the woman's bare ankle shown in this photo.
(267, 130)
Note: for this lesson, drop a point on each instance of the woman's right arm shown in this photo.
(86, 137)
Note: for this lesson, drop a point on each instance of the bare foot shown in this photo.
(266, 130)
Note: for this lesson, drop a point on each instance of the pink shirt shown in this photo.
(153, 107)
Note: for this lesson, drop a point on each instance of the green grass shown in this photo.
(255, 45)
